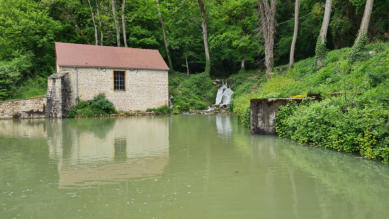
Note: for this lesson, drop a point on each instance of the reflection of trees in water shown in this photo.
(64, 132)
(361, 182)
(92, 152)
(315, 178)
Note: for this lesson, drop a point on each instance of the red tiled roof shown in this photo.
(80, 55)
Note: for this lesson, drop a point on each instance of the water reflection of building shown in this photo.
(23, 128)
(104, 151)
(99, 151)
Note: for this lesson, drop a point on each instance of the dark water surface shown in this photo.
(178, 167)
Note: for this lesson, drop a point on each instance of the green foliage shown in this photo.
(33, 87)
(347, 126)
(358, 48)
(26, 27)
(97, 107)
(283, 115)
(11, 73)
(163, 110)
(356, 121)
(320, 51)
(195, 92)
(30, 28)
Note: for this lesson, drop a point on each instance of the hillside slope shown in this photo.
(354, 113)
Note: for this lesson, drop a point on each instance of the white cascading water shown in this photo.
(224, 95)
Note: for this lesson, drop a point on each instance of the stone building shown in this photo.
(132, 79)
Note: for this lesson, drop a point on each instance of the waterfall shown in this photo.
(224, 95)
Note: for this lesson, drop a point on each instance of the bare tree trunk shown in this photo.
(94, 22)
(187, 65)
(124, 23)
(115, 19)
(243, 60)
(324, 30)
(205, 37)
(267, 14)
(295, 32)
(366, 19)
(100, 25)
(242, 64)
(164, 36)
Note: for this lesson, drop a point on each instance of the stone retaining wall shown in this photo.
(31, 108)
(263, 113)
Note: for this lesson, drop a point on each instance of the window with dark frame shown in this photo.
(119, 80)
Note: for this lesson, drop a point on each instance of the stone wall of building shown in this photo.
(31, 108)
(143, 88)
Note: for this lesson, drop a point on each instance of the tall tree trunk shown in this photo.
(187, 65)
(205, 37)
(164, 36)
(365, 20)
(323, 32)
(94, 22)
(100, 25)
(242, 64)
(124, 23)
(242, 60)
(115, 19)
(267, 11)
(295, 32)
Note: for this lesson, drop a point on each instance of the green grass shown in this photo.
(368, 75)
(355, 121)
(34, 87)
(194, 92)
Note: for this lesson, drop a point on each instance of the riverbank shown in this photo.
(353, 116)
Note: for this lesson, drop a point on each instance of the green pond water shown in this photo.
(178, 167)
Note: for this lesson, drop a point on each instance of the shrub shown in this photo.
(195, 92)
(335, 123)
(99, 106)
(32, 88)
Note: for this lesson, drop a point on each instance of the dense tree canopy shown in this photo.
(29, 28)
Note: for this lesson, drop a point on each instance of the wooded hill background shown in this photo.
(29, 28)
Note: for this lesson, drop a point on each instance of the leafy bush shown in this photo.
(163, 110)
(33, 87)
(11, 73)
(99, 106)
(335, 123)
(195, 92)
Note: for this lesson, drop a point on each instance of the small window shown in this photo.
(119, 80)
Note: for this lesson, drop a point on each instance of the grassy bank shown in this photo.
(353, 116)
(194, 92)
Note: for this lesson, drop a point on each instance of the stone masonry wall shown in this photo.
(31, 108)
(143, 88)
(263, 113)
(58, 95)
